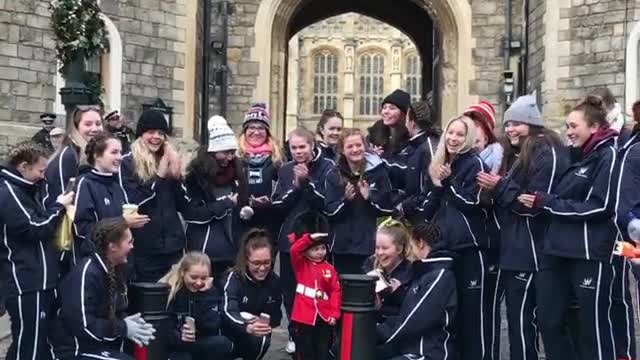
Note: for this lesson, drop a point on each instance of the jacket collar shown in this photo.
(101, 262)
(94, 174)
(14, 177)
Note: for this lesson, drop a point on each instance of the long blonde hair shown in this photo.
(276, 149)
(442, 155)
(146, 162)
(175, 277)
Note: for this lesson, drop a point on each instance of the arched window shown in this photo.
(413, 77)
(371, 89)
(325, 82)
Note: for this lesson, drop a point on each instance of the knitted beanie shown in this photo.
(485, 111)
(399, 98)
(151, 120)
(221, 137)
(258, 112)
(524, 110)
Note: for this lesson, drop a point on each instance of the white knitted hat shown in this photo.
(221, 137)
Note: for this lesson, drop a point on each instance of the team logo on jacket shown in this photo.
(587, 283)
(43, 315)
(473, 284)
(107, 201)
(245, 300)
(582, 172)
(522, 277)
(270, 300)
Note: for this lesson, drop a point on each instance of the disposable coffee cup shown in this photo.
(129, 209)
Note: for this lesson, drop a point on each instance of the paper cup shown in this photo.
(128, 209)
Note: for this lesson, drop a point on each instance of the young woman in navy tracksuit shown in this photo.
(262, 157)
(299, 190)
(94, 298)
(358, 191)
(99, 194)
(327, 133)
(534, 160)
(150, 176)
(193, 296)
(29, 267)
(251, 291)
(580, 238)
(425, 325)
(453, 203)
(391, 261)
(217, 188)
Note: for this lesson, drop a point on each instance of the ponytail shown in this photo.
(175, 277)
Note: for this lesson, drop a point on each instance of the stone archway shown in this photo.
(452, 18)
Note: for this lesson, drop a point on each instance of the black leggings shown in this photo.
(203, 348)
(313, 342)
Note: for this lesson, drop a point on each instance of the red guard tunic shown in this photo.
(318, 290)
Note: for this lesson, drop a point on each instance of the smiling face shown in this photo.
(154, 140)
(195, 278)
(259, 263)
(256, 134)
(109, 161)
(33, 172)
(391, 114)
(455, 136)
(354, 149)
(578, 129)
(224, 158)
(118, 252)
(90, 125)
(331, 131)
(316, 253)
(515, 131)
(387, 253)
(301, 149)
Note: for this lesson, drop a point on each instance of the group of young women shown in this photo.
(514, 214)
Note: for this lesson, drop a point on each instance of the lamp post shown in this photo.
(75, 92)
(160, 106)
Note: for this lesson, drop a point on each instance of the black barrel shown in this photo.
(358, 325)
(150, 300)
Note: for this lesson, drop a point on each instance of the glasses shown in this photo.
(256, 128)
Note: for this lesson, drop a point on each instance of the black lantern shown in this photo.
(160, 106)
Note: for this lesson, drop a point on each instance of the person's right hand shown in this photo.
(66, 199)
(234, 198)
(163, 165)
(444, 172)
(136, 220)
(187, 334)
(258, 328)
(349, 191)
(379, 150)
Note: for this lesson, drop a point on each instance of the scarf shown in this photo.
(596, 138)
(262, 150)
(615, 117)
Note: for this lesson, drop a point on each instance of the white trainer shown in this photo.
(291, 347)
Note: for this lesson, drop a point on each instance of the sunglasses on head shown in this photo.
(85, 108)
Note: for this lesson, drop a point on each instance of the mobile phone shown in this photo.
(70, 185)
(190, 322)
(264, 319)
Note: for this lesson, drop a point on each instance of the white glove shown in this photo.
(246, 213)
(634, 229)
(138, 330)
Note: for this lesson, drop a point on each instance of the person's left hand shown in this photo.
(487, 181)
(395, 284)
(331, 321)
(364, 189)
(527, 200)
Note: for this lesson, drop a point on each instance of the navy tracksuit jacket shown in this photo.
(327, 151)
(64, 166)
(242, 293)
(392, 301)
(353, 222)
(29, 263)
(418, 154)
(262, 175)
(84, 309)
(98, 196)
(424, 326)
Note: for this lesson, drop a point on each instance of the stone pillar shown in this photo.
(348, 100)
(396, 67)
(291, 121)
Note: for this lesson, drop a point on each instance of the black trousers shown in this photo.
(151, 267)
(30, 316)
(520, 295)
(591, 282)
(313, 342)
(622, 316)
(473, 312)
(348, 263)
(249, 347)
(495, 296)
(288, 283)
(204, 348)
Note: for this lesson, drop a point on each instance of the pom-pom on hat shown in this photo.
(259, 113)
(485, 111)
(221, 137)
(151, 120)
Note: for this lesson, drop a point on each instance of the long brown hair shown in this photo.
(73, 136)
(106, 232)
(254, 239)
(523, 156)
(324, 118)
(204, 168)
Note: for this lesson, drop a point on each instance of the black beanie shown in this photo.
(399, 98)
(151, 120)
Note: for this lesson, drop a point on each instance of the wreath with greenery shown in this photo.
(78, 29)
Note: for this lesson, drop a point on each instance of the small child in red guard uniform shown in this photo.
(316, 306)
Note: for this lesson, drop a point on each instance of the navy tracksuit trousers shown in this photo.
(520, 295)
(473, 312)
(622, 311)
(30, 314)
(592, 283)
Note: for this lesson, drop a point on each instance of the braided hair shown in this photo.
(106, 232)
(427, 232)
